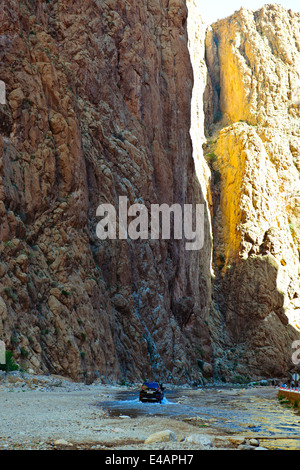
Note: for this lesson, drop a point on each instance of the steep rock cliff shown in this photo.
(98, 106)
(253, 145)
(102, 102)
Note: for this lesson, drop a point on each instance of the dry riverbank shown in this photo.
(39, 412)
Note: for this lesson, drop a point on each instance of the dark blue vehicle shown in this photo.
(152, 391)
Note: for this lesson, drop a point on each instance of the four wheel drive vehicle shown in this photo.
(152, 391)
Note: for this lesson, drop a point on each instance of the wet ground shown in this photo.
(39, 411)
(254, 412)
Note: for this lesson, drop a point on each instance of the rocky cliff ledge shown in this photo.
(102, 102)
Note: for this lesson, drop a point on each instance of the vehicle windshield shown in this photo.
(151, 385)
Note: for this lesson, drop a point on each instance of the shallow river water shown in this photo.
(254, 412)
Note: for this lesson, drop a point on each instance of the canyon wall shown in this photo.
(253, 146)
(141, 99)
(98, 106)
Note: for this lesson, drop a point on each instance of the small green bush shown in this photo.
(65, 292)
(24, 353)
(211, 156)
(10, 364)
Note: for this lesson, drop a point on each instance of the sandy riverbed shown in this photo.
(54, 413)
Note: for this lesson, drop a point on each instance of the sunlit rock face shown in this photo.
(253, 144)
(98, 106)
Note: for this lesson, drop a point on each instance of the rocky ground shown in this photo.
(51, 412)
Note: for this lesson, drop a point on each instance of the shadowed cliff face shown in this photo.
(253, 144)
(98, 106)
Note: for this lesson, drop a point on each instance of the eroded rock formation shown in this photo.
(98, 106)
(102, 102)
(253, 145)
